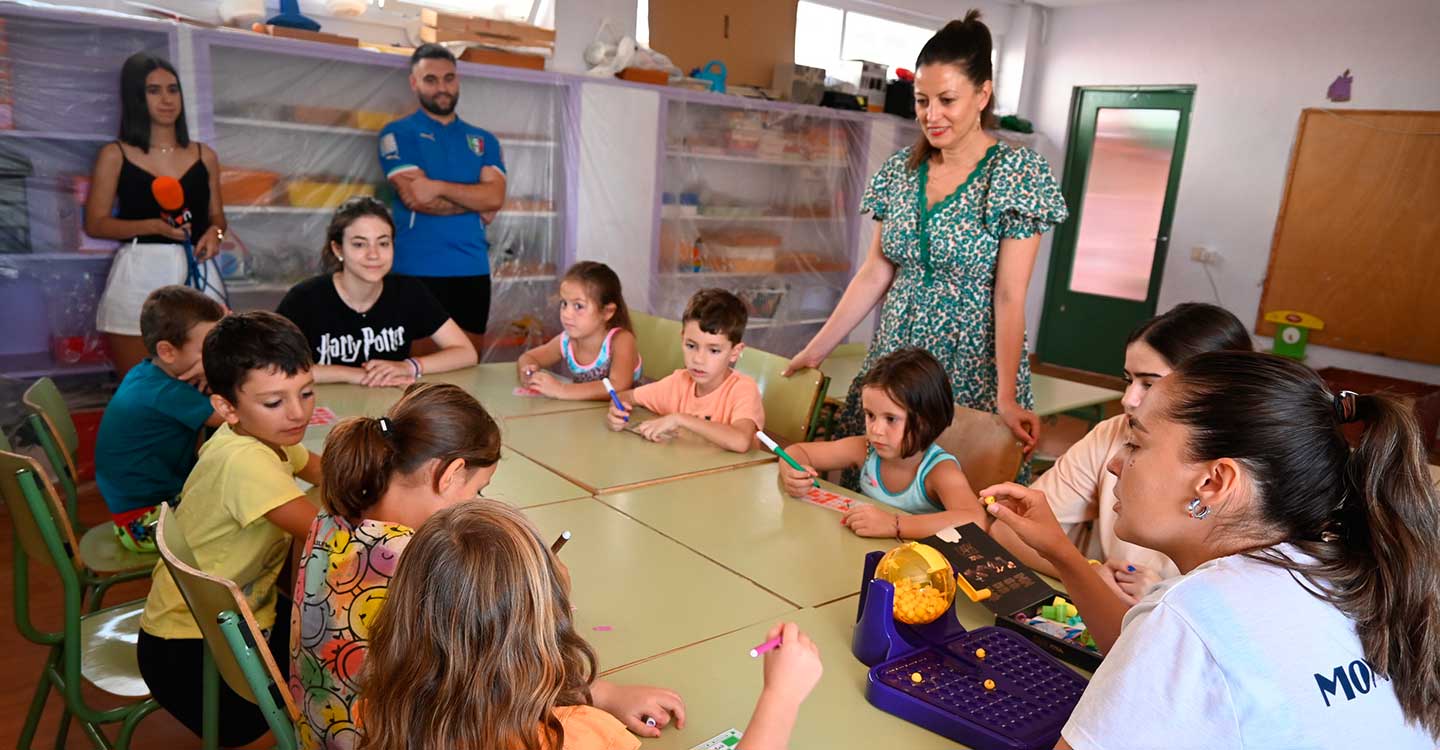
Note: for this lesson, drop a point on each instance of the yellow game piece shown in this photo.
(916, 678)
(989, 499)
(989, 684)
(980, 654)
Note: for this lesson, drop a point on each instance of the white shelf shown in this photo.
(753, 219)
(104, 257)
(41, 364)
(682, 154)
(304, 211)
(772, 323)
(700, 275)
(47, 135)
(305, 127)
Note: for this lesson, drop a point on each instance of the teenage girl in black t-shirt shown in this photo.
(360, 320)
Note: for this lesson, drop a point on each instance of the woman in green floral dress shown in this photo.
(961, 216)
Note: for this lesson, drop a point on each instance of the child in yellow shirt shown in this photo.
(238, 511)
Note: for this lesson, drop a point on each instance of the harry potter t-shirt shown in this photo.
(338, 335)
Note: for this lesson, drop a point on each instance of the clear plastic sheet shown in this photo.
(296, 136)
(761, 200)
(59, 103)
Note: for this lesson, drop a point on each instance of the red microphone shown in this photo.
(171, 197)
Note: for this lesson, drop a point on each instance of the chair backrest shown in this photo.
(209, 597)
(988, 452)
(254, 657)
(44, 399)
(36, 512)
(791, 404)
(658, 341)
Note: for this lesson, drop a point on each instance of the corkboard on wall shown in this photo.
(1357, 241)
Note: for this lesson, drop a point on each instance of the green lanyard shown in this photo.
(927, 213)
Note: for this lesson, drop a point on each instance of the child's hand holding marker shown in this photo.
(1133, 580)
(544, 383)
(643, 710)
(619, 414)
(792, 669)
(796, 469)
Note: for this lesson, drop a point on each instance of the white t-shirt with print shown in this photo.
(1239, 654)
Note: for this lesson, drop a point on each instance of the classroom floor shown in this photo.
(21, 660)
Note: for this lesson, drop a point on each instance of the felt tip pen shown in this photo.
(772, 445)
(615, 399)
(649, 722)
(560, 542)
(769, 645)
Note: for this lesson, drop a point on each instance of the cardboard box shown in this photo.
(488, 56)
(798, 83)
(644, 75)
(749, 36)
(444, 27)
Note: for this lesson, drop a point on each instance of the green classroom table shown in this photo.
(519, 482)
(492, 384)
(720, 683)
(648, 595)
(743, 521)
(579, 446)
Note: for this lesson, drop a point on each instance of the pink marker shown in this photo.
(769, 645)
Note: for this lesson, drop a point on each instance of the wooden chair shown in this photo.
(235, 648)
(792, 405)
(55, 432)
(988, 452)
(658, 341)
(95, 647)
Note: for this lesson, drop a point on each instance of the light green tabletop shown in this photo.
(720, 683)
(1056, 396)
(579, 446)
(518, 481)
(1052, 395)
(493, 384)
(743, 521)
(647, 594)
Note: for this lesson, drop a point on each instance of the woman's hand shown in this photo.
(382, 373)
(163, 228)
(633, 704)
(1028, 514)
(209, 245)
(1023, 423)
(807, 357)
(1133, 579)
(868, 520)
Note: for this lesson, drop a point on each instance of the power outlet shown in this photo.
(1205, 255)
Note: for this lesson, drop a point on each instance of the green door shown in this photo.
(1122, 169)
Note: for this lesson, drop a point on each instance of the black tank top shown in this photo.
(137, 203)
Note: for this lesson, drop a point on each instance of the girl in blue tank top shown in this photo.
(596, 340)
(908, 403)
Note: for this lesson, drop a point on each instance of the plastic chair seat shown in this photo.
(108, 659)
(103, 553)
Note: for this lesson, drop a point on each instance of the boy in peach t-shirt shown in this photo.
(707, 398)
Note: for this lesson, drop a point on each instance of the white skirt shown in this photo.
(139, 269)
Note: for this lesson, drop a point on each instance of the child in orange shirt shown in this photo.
(475, 648)
(707, 398)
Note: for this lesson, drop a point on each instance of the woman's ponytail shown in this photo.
(1388, 577)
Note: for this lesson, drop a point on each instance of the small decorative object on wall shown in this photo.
(1340, 88)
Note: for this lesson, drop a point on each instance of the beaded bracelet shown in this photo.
(415, 364)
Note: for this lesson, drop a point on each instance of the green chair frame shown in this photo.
(235, 648)
(43, 535)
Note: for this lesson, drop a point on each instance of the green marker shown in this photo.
(772, 445)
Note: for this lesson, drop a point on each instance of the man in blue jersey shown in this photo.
(449, 178)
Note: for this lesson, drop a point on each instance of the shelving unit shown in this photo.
(726, 155)
(301, 111)
(61, 68)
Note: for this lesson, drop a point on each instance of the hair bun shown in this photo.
(972, 16)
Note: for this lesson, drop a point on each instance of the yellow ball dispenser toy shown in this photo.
(923, 579)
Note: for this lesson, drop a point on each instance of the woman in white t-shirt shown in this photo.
(1307, 613)
(1078, 486)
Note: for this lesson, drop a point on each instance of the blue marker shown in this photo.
(1130, 568)
(615, 399)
